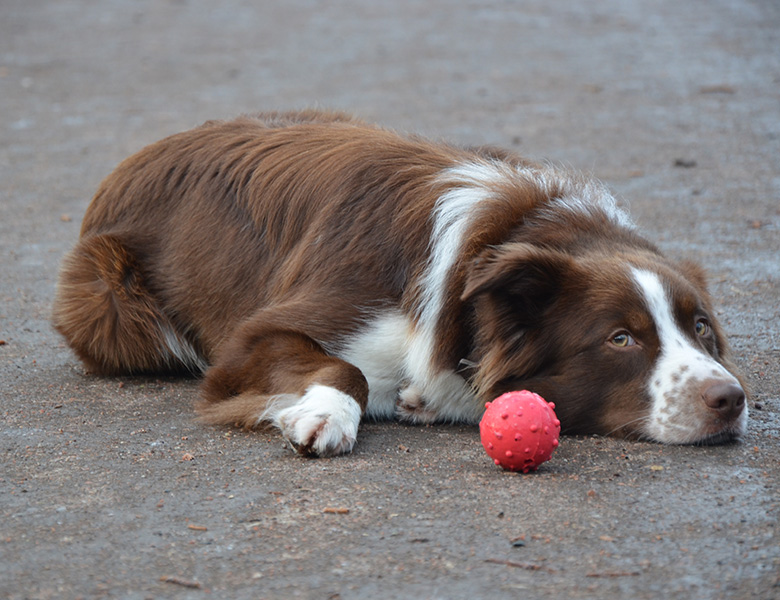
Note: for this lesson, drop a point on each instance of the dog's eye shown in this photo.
(622, 339)
(702, 327)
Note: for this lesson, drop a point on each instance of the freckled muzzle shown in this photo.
(704, 411)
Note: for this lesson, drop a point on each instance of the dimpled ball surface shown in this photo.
(519, 430)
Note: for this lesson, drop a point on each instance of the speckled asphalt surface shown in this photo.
(110, 489)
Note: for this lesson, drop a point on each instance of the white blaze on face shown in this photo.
(678, 414)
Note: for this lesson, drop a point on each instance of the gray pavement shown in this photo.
(110, 489)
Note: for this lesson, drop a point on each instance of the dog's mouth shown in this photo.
(714, 434)
(721, 438)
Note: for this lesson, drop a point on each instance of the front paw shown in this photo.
(324, 422)
(412, 407)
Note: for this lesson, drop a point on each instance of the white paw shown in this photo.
(324, 422)
(411, 407)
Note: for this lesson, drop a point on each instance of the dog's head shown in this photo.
(625, 343)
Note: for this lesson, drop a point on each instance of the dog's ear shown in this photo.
(517, 275)
(694, 272)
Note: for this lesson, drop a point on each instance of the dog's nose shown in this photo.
(724, 397)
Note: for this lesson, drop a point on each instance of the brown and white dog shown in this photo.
(319, 270)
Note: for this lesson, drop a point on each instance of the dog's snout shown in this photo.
(724, 397)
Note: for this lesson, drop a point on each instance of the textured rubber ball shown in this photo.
(519, 430)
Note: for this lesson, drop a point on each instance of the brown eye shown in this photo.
(702, 327)
(622, 339)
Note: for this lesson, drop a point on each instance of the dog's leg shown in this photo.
(267, 375)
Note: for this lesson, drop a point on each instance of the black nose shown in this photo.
(724, 397)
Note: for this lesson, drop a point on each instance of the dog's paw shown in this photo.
(324, 422)
(412, 408)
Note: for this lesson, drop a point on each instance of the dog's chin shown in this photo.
(722, 438)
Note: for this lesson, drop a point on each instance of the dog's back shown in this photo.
(242, 206)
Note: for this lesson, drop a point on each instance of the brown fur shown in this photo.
(255, 247)
(233, 201)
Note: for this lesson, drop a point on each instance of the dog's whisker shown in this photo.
(639, 419)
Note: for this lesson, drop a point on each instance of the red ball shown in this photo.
(519, 430)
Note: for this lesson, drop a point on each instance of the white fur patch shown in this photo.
(379, 352)
(675, 415)
(445, 397)
(593, 198)
(427, 395)
(452, 215)
(576, 194)
(391, 355)
(180, 349)
(323, 421)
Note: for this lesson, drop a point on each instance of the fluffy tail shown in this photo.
(110, 319)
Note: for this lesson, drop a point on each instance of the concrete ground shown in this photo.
(110, 489)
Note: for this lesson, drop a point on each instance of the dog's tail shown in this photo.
(110, 319)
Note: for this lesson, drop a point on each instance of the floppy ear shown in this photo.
(521, 277)
(694, 272)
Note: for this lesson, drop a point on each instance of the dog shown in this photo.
(319, 270)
